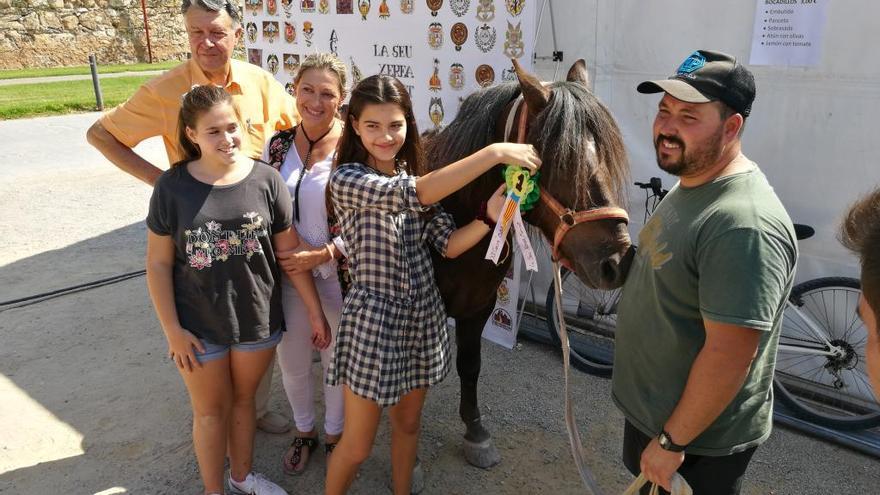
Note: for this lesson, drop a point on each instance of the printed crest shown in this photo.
(287, 5)
(513, 43)
(251, 30)
(485, 75)
(485, 10)
(435, 35)
(307, 6)
(364, 8)
(459, 7)
(271, 7)
(434, 6)
(270, 31)
(435, 111)
(456, 76)
(485, 38)
(458, 33)
(254, 6)
(334, 43)
(503, 294)
(384, 11)
(344, 7)
(356, 74)
(308, 31)
(291, 63)
(406, 6)
(289, 32)
(289, 87)
(508, 75)
(501, 318)
(272, 63)
(324, 7)
(255, 56)
(434, 83)
(515, 7)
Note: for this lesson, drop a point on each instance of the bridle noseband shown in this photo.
(566, 217)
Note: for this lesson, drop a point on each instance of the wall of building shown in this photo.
(53, 33)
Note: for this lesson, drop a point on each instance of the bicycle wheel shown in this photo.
(831, 390)
(591, 318)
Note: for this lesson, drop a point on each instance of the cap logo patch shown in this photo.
(692, 63)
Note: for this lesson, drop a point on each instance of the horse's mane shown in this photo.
(559, 132)
(472, 129)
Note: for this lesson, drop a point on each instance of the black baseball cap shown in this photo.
(708, 76)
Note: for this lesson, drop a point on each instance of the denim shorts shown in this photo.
(216, 351)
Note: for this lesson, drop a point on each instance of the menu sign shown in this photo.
(788, 32)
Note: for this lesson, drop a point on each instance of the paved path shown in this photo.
(79, 77)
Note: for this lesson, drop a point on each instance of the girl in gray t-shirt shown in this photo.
(215, 221)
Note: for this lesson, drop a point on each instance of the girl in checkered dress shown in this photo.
(392, 342)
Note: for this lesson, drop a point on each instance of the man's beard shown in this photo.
(691, 163)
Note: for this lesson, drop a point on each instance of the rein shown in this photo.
(567, 217)
(567, 220)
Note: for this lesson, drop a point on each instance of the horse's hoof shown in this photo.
(482, 454)
(417, 484)
(418, 479)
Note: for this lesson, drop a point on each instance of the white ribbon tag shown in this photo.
(525, 245)
(510, 214)
(508, 211)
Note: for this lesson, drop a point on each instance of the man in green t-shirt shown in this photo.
(698, 321)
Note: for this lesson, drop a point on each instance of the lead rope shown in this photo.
(574, 436)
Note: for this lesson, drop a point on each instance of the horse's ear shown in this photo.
(578, 73)
(535, 93)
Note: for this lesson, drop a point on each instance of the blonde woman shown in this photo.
(304, 156)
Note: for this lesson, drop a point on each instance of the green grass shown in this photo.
(84, 70)
(32, 100)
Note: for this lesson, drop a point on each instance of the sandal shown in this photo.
(329, 446)
(293, 456)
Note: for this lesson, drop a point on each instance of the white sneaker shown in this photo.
(254, 484)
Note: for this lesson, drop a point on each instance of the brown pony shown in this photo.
(584, 168)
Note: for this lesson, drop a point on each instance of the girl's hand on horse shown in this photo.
(302, 259)
(524, 155)
(180, 348)
(496, 202)
(321, 336)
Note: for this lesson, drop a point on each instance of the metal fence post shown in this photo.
(99, 98)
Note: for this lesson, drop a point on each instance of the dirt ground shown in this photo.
(88, 404)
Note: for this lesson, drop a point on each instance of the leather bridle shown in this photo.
(566, 217)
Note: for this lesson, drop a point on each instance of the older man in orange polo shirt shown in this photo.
(214, 28)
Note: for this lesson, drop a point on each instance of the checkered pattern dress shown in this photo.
(392, 337)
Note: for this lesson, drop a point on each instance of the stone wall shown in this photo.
(53, 33)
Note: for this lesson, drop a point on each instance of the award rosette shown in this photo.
(522, 193)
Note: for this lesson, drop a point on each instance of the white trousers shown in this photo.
(295, 357)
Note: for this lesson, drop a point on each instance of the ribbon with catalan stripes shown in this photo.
(518, 187)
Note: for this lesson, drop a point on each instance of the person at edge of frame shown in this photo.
(700, 312)
(214, 28)
(860, 232)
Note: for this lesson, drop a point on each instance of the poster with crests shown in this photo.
(442, 50)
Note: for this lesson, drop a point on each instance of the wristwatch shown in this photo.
(666, 443)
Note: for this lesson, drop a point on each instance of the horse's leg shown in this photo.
(478, 447)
